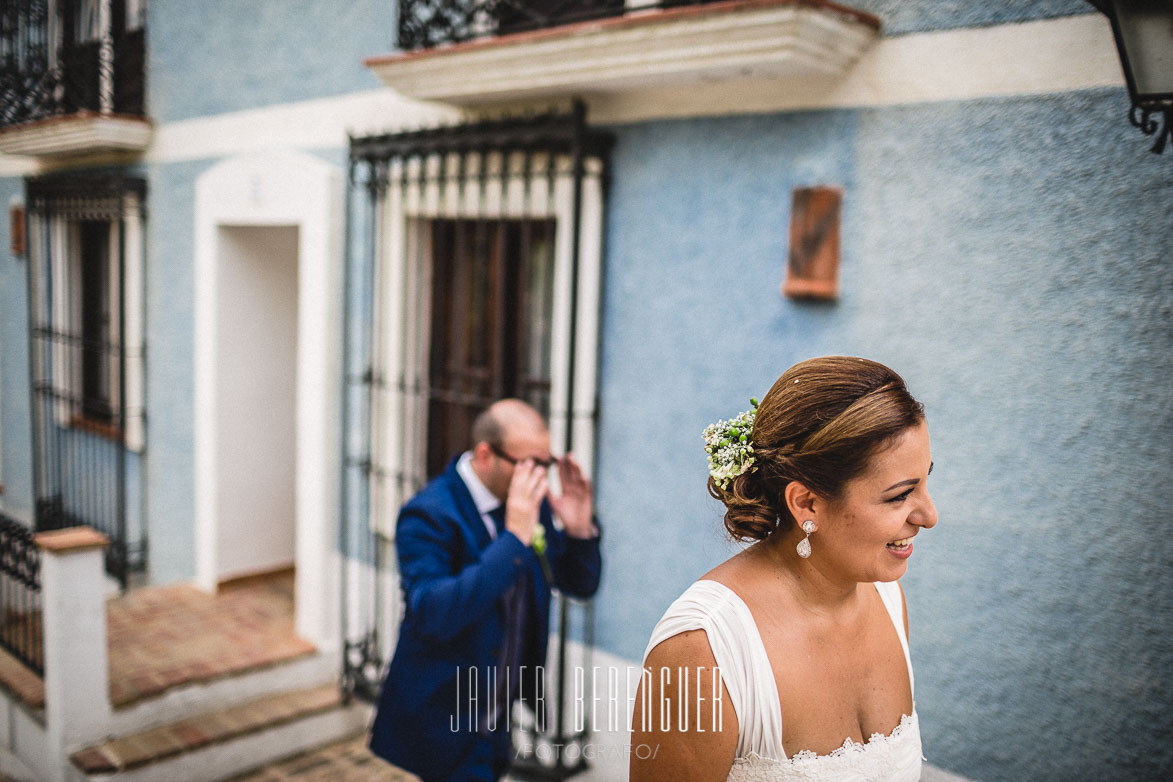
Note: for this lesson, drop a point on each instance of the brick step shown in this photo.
(216, 693)
(345, 761)
(225, 742)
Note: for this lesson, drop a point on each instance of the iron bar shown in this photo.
(348, 681)
(21, 632)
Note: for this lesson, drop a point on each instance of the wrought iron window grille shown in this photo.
(424, 24)
(86, 358)
(482, 190)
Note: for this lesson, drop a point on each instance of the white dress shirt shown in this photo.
(483, 498)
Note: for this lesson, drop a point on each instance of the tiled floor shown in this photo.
(349, 761)
(161, 637)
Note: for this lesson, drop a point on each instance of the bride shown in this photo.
(790, 660)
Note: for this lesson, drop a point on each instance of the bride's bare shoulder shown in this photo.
(741, 572)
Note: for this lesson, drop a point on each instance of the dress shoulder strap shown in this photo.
(741, 658)
(894, 601)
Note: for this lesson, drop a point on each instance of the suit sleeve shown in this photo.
(577, 564)
(441, 599)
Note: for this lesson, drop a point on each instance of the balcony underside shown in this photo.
(77, 134)
(725, 41)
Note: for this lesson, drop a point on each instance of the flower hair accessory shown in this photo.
(729, 448)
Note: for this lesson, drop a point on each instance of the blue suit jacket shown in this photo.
(453, 577)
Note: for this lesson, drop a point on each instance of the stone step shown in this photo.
(219, 692)
(222, 743)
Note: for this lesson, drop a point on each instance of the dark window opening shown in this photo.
(96, 335)
(492, 299)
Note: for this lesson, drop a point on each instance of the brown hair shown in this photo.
(820, 425)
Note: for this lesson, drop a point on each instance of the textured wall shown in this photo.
(223, 55)
(170, 370)
(15, 431)
(1012, 259)
(913, 16)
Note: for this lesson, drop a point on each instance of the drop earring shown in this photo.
(804, 546)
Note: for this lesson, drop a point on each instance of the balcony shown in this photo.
(470, 52)
(72, 77)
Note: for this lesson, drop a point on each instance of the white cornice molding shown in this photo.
(77, 134)
(732, 41)
(1029, 58)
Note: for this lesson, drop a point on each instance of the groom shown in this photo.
(477, 597)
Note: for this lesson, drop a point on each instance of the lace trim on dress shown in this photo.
(879, 757)
(851, 746)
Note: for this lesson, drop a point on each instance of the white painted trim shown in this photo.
(65, 266)
(559, 417)
(133, 351)
(322, 123)
(280, 188)
(590, 272)
(205, 439)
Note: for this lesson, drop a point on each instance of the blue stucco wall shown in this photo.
(170, 325)
(15, 430)
(1012, 259)
(911, 16)
(225, 55)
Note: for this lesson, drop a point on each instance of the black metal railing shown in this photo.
(424, 24)
(67, 57)
(20, 595)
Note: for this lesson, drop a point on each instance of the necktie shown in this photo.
(498, 516)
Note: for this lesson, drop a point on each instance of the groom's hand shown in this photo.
(575, 507)
(524, 501)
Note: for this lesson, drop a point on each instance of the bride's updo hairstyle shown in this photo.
(820, 425)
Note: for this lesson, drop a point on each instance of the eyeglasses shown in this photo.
(545, 464)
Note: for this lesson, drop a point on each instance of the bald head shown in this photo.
(506, 420)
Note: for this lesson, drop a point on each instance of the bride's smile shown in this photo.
(868, 531)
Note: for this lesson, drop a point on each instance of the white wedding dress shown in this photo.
(753, 692)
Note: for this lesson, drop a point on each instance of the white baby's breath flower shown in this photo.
(729, 447)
